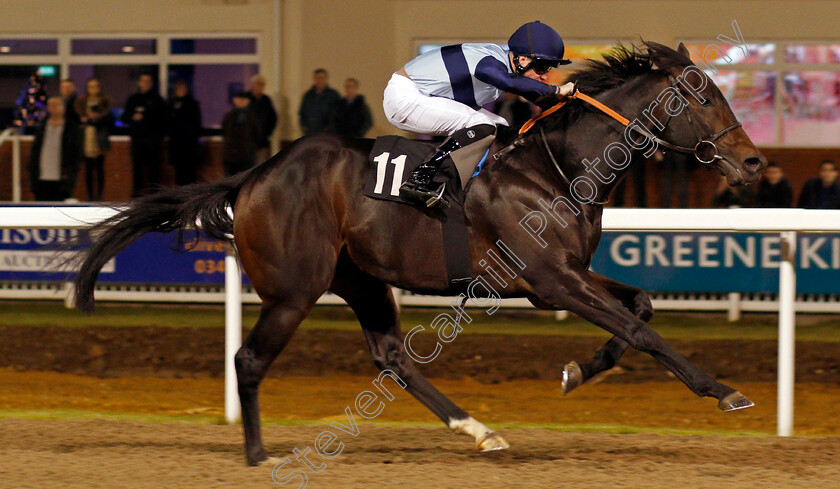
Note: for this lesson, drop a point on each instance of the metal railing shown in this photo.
(786, 222)
(13, 135)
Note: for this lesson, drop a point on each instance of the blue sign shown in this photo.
(25, 254)
(717, 262)
(664, 262)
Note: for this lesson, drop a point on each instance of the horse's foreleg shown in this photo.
(373, 303)
(634, 300)
(586, 297)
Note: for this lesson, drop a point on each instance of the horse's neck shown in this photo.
(587, 144)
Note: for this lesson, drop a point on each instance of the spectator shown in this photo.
(67, 89)
(513, 109)
(317, 109)
(55, 154)
(727, 197)
(240, 131)
(184, 132)
(352, 114)
(145, 115)
(31, 104)
(638, 177)
(675, 170)
(822, 192)
(263, 109)
(94, 109)
(774, 190)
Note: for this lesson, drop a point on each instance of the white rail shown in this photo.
(13, 135)
(787, 222)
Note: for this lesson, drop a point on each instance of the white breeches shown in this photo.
(410, 110)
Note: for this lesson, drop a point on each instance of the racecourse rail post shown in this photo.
(233, 331)
(787, 332)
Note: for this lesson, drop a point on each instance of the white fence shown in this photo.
(13, 135)
(786, 222)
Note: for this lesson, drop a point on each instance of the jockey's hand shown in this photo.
(565, 90)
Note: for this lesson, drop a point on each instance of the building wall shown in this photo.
(369, 39)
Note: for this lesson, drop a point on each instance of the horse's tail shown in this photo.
(171, 209)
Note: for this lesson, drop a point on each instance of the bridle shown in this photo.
(697, 150)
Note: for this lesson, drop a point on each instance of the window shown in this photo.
(239, 45)
(213, 85)
(811, 108)
(23, 47)
(215, 66)
(114, 46)
(785, 94)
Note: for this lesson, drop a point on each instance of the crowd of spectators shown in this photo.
(323, 109)
(775, 191)
(70, 129)
(80, 132)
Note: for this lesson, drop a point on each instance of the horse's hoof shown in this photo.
(267, 462)
(491, 441)
(734, 402)
(572, 377)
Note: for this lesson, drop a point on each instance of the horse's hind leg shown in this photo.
(277, 323)
(373, 303)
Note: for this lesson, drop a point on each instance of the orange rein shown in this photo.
(586, 98)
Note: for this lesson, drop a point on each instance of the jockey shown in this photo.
(441, 92)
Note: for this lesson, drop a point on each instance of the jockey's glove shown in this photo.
(565, 90)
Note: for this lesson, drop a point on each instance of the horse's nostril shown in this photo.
(753, 162)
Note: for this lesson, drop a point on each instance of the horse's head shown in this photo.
(701, 119)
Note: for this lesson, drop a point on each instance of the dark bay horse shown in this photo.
(302, 227)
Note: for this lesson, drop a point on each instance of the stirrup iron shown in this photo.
(438, 199)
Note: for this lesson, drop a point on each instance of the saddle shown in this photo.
(392, 160)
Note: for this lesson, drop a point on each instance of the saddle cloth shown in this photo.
(392, 160)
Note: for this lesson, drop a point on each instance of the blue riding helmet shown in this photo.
(540, 43)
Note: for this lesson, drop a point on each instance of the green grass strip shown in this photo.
(689, 326)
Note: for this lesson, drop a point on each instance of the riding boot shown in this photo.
(419, 185)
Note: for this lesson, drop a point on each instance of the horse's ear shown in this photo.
(683, 50)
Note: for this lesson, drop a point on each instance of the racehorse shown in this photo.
(302, 227)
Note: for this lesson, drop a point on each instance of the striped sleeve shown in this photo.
(492, 71)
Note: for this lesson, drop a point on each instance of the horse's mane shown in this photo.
(618, 66)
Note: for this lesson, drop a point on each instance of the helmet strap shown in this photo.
(520, 70)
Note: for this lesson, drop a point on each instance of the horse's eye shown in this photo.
(706, 102)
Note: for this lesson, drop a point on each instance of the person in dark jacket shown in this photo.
(774, 190)
(352, 114)
(317, 109)
(266, 116)
(67, 89)
(241, 134)
(54, 158)
(727, 197)
(184, 132)
(822, 192)
(94, 109)
(145, 115)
